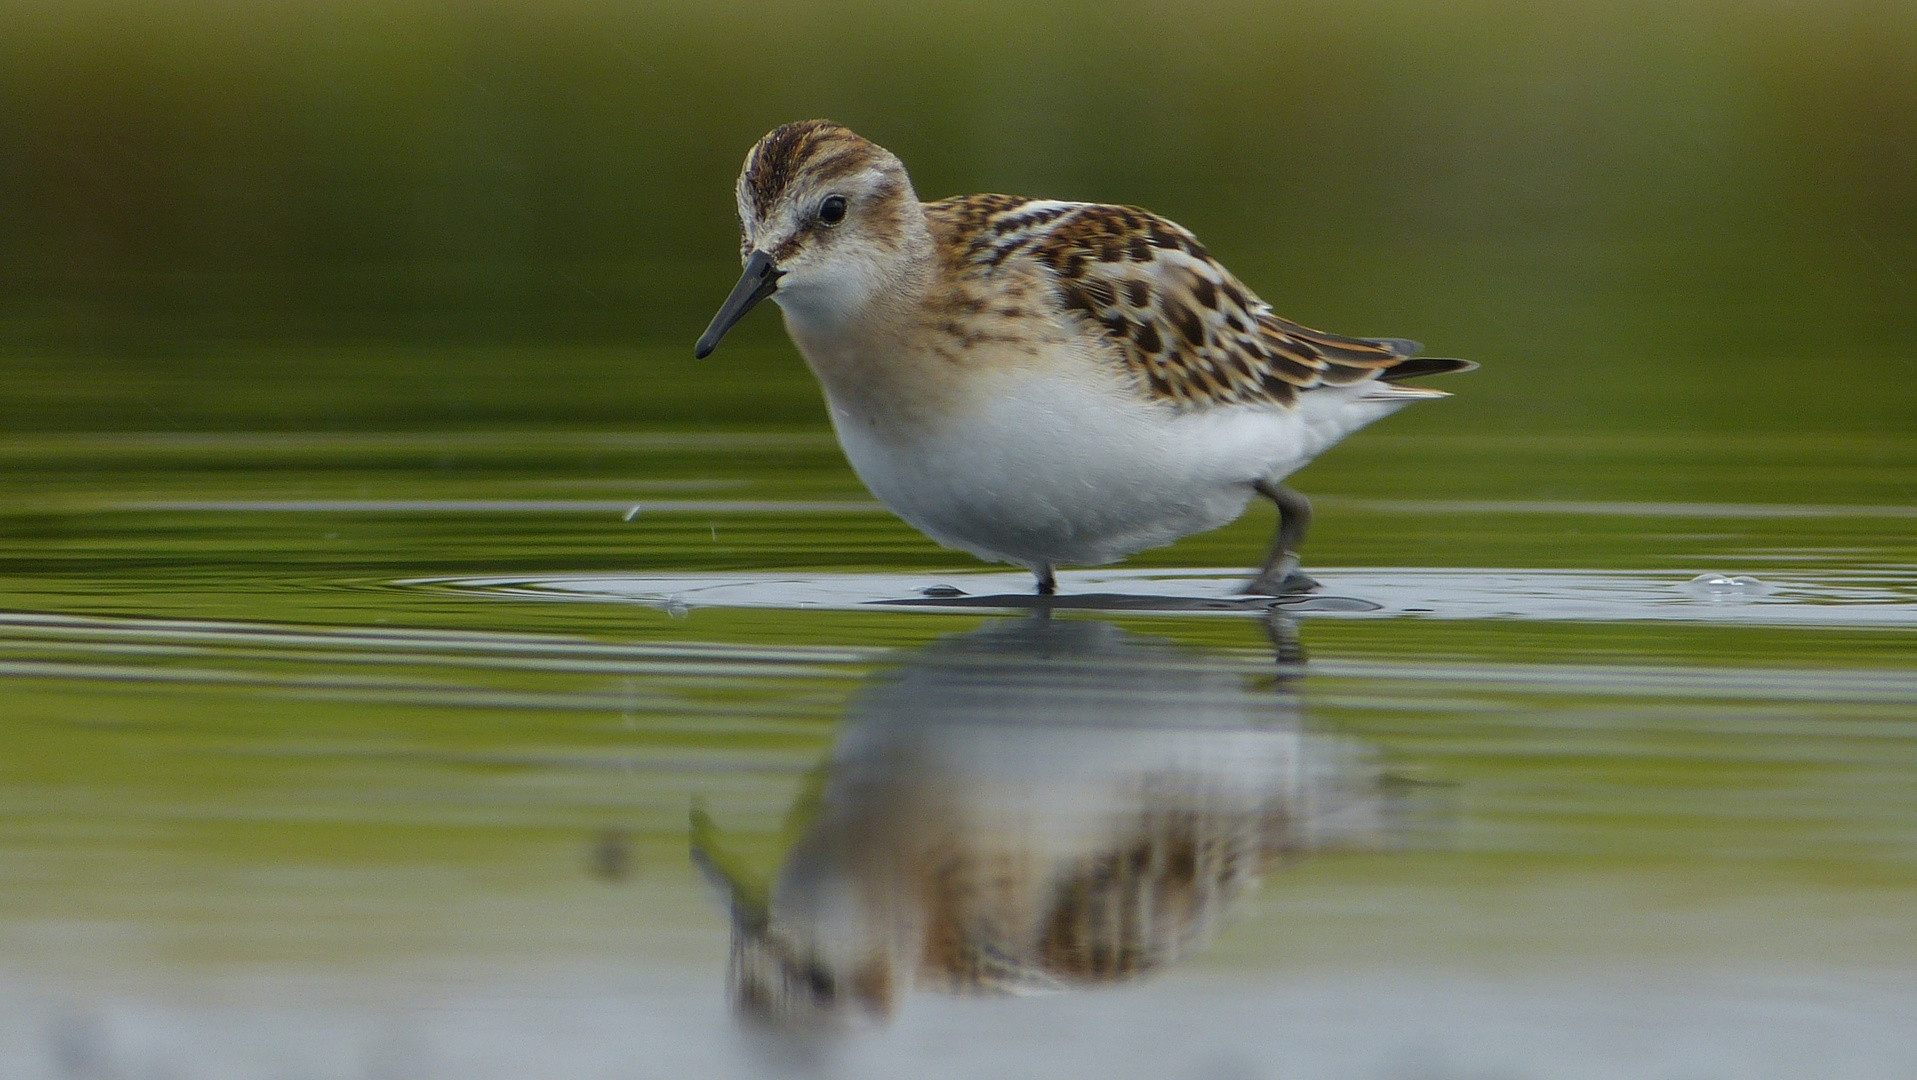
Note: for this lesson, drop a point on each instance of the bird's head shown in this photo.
(826, 219)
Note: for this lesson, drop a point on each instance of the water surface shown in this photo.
(428, 756)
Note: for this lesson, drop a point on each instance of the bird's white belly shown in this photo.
(1057, 470)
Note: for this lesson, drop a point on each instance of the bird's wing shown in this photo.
(1189, 332)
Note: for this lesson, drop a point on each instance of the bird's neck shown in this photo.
(862, 336)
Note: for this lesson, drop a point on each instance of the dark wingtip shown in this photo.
(1425, 365)
(703, 349)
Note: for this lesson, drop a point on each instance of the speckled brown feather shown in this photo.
(1001, 923)
(1184, 328)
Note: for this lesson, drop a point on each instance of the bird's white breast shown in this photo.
(1065, 465)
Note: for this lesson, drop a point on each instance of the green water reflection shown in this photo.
(235, 747)
(438, 825)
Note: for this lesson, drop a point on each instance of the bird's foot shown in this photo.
(1289, 584)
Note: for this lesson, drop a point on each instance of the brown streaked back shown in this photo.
(1187, 331)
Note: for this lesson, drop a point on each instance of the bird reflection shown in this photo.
(1036, 806)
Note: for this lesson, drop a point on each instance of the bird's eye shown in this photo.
(832, 210)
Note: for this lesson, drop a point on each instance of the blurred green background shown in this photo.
(1690, 216)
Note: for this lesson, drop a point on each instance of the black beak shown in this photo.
(760, 280)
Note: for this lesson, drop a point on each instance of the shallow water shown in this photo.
(422, 756)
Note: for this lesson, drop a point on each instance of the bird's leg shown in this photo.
(1047, 581)
(1280, 575)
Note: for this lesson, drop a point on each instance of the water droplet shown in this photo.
(1733, 588)
(676, 607)
(632, 513)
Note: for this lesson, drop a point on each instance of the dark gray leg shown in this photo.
(1047, 582)
(1280, 575)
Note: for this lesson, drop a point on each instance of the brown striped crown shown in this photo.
(795, 166)
(820, 149)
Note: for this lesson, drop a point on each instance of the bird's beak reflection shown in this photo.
(760, 280)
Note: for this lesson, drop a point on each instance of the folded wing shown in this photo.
(1187, 330)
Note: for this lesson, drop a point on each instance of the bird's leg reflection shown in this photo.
(1287, 648)
(1039, 805)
